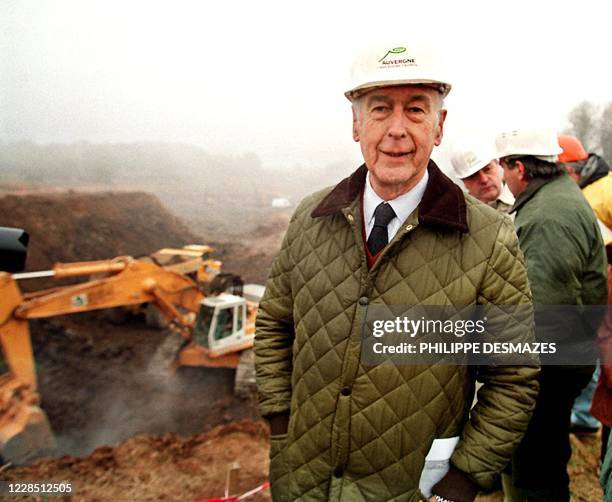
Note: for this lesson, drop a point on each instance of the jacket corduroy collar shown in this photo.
(443, 202)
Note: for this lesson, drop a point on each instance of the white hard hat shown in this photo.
(537, 143)
(396, 65)
(469, 161)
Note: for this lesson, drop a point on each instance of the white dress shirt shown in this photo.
(402, 205)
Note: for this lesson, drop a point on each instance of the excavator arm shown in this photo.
(134, 283)
(120, 282)
(24, 428)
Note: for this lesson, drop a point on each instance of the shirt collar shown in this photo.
(443, 204)
(505, 195)
(403, 205)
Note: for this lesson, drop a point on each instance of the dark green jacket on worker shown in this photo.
(358, 432)
(564, 252)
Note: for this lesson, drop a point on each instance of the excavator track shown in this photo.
(244, 383)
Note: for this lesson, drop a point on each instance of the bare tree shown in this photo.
(585, 125)
(605, 133)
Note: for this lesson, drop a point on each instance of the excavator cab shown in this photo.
(221, 332)
(220, 322)
(13, 249)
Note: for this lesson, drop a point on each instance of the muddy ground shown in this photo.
(128, 427)
(164, 467)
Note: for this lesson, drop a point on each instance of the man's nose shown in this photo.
(482, 177)
(397, 124)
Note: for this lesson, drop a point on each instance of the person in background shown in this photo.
(602, 400)
(566, 265)
(593, 175)
(482, 176)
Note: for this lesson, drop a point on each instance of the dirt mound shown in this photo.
(76, 226)
(252, 257)
(165, 467)
(72, 226)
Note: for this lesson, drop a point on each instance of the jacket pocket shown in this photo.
(279, 473)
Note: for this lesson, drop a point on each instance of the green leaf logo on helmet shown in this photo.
(396, 50)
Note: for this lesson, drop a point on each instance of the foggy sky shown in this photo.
(269, 77)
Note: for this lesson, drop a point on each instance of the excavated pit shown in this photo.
(101, 384)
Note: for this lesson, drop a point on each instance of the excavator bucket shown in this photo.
(29, 437)
(165, 360)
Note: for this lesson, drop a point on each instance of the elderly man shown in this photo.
(395, 232)
(566, 265)
(482, 176)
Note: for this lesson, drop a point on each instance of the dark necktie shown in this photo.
(379, 237)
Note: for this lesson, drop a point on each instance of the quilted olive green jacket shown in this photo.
(359, 432)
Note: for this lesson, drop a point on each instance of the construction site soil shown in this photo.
(128, 427)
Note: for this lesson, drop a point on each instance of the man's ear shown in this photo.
(355, 126)
(440, 127)
(521, 169)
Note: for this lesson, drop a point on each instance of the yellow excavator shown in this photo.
(217, 330)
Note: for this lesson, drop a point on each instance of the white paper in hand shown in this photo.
(436, 463)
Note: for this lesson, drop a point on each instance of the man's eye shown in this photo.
(416, 109)
(380, 109)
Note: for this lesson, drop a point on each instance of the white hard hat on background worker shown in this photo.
(475, 164)
(396, 65)
(541, 144)
(470, 160)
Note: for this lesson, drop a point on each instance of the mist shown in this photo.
(267, 78)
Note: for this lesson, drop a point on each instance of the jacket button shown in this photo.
(338, 472)
(363, 301)
(345, 391)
